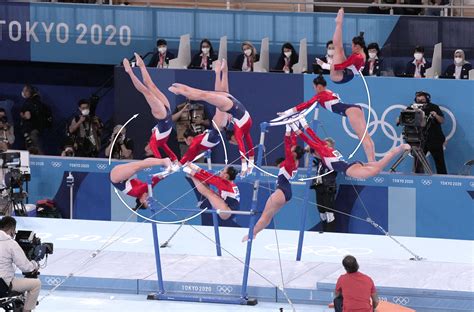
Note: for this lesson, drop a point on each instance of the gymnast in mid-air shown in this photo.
(227, 104)
(342, 69)
(121, 177)
(160, 109)
(333, 103)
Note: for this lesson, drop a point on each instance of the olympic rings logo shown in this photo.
(378, 179)
(388, 129)
(53, 281)
(56, 164)
(426, 182)
(401, 300)
(321, 250)
(101, 166)
(224, 289)
(383, 299)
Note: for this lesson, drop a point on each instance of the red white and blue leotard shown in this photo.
(160, 135)
(350, 67)
(242, 125)
(228, 191)
(330, 157)
(288, 168)
(201, 143)
(136, 187)
(329, 100)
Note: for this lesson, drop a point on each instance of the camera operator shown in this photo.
(433, 133)
(123, 148)
(85, 130)
(6, 130)
(326, 188)
(12, 255)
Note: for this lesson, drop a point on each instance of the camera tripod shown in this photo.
(419, 158)
(13, 203)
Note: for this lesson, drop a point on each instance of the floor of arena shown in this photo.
(124, 272)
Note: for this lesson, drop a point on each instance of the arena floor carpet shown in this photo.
(441, 282)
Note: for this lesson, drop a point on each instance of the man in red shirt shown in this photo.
(355, 288)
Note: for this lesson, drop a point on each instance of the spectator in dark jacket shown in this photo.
(323, 65)
(244, 62)
(287, 59)
(33, 117)
(417, 67)
(373, 65)
(162, 57)
(204, 58)
(460, 68)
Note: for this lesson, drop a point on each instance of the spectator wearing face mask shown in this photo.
(85, 130)
(373, 65)
(460, 68)
(162, 57)
(204, 58)
(123, 147)
(418, 66)
(288, 58)
(322, 65)
(247, 58)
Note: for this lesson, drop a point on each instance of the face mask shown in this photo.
(248, 52)
(85, 112)
(23, 95)
(205, 50)
(162, 50)
(330, 52)
(287, 54)
(418, 56)
(372, 55)
(458, 60)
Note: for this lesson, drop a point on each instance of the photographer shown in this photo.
(433, 133)
(7, 137)
(85, 131)
(35, 117)
(123, 148)
(12, 255)
(325, 187)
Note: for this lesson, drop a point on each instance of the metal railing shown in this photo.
(447, 10)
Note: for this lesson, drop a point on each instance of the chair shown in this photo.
(10, 300)
(263, 65)
(302, 65)
(435, 70)
(184, 53)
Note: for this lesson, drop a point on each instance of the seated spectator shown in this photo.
(123, 147)
(35, 118)
(436, 8)
(204, 58)
(7, 137)
(373, 65)
(354, 290)
(418, 66)
(323, 65)
(244, 62)
(288, 58)
(412, 11)
(460, 68)
(189, 115)
(385, 9)
(161, 59)
(85, 130)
